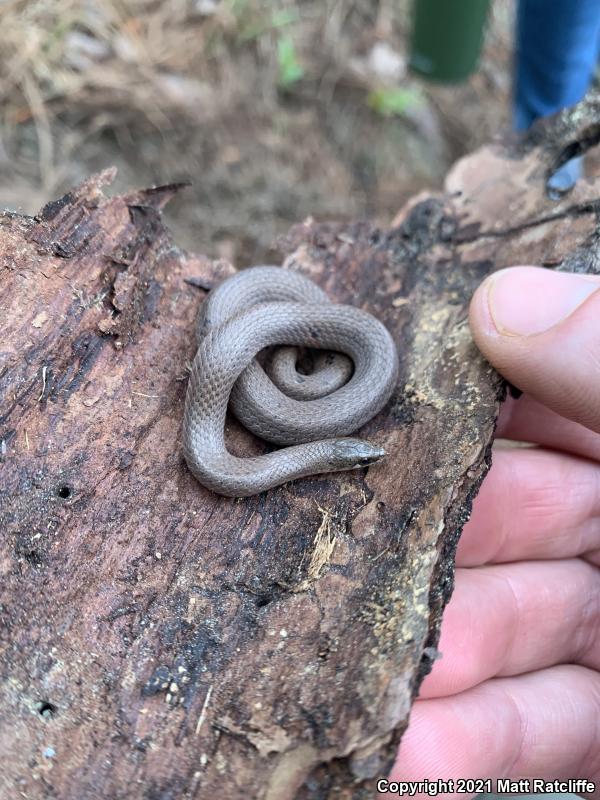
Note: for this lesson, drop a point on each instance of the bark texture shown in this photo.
(160, 642)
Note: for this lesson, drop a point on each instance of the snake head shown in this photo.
(354, 453)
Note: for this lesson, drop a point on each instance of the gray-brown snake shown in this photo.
(256, 309)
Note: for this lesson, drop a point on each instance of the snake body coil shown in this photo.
(256, 309)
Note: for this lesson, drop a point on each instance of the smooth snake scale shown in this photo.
(256, 309)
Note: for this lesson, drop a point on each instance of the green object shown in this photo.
(446, 37)
(290, 69)
(393, 101)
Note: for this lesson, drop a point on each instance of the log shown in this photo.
(160, 642)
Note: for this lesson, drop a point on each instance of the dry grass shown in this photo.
(111, 64)
(264, 105)
(123, 62)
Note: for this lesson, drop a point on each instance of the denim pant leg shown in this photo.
(556, 54)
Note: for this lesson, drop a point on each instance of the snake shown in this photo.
(251, 333)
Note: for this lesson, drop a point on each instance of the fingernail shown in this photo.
(527, 300)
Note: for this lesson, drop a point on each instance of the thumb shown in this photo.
(541, 330)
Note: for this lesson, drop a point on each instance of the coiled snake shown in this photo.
(256, 309)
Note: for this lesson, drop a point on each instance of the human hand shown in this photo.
(517, 691)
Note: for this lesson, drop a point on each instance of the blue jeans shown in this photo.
(556, 55)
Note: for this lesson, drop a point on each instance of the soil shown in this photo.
(260, 151)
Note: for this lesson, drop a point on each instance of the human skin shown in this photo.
(516, 693)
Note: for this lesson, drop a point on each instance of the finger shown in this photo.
(541, 330)
(533, 504)
(526, 420)
(511, 619)
(544, 724)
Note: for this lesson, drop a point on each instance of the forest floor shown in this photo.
(274, 111)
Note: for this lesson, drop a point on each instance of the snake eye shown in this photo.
(366, 460)
(353, 453)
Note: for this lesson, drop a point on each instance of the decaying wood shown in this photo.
(161, 642)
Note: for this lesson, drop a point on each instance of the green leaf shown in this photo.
(394, 102)
(290, 69)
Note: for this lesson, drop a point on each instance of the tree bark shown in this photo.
(158, 641)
